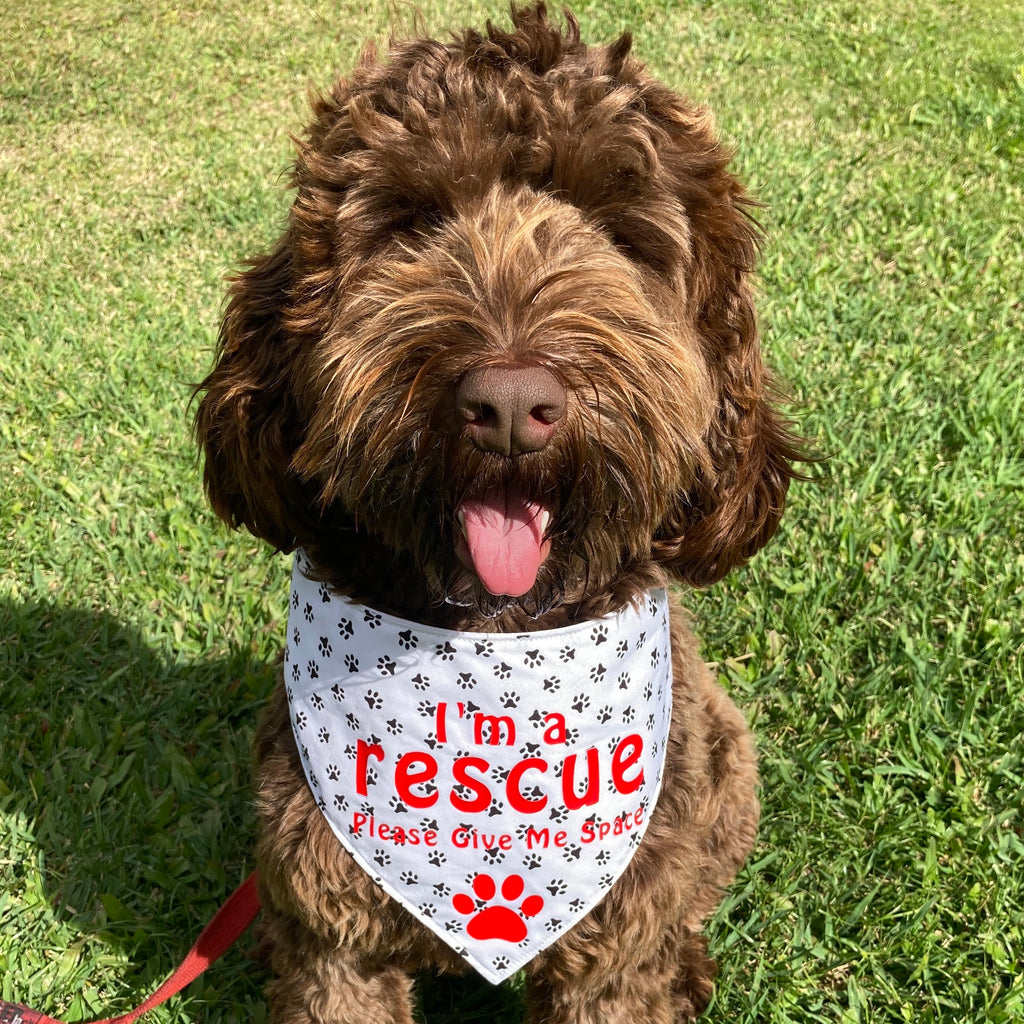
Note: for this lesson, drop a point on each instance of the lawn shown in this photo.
(876, 645)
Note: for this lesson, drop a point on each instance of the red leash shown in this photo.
(226, 926)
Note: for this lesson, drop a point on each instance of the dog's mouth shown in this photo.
(502, 540)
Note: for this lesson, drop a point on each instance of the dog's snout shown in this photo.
(510, 410)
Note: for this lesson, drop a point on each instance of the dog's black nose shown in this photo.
(510, 410)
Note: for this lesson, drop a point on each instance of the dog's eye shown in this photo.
(422, 222)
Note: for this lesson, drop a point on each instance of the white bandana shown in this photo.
(495, 784)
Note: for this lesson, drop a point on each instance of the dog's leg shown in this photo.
(693, 984)
(336, 969)
(640, 957)
(316, 983)
(672, 986)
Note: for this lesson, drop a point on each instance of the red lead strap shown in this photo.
(226, 926)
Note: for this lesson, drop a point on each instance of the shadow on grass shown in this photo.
(130, 776)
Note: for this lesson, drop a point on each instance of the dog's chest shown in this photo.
(494, 784)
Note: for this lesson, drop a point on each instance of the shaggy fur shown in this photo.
(514, 199)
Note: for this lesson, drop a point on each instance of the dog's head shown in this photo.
(507, 337)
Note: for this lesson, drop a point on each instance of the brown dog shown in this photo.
(501, 373)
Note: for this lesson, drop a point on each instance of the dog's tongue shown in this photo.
(505, 537)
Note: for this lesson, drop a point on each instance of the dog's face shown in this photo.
(506, 337)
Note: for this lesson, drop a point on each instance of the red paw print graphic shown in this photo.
(497, 922)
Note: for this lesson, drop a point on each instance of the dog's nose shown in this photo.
(510, 410)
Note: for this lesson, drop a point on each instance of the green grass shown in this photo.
(876, 645)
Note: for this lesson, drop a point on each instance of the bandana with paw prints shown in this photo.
(495, 784)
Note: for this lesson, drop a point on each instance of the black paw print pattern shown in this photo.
(563, 693)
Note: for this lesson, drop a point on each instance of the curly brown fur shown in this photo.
(510, 199)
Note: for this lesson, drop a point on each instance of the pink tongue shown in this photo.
(505, 539)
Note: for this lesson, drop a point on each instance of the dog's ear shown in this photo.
(736, 500)
(246, 421)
